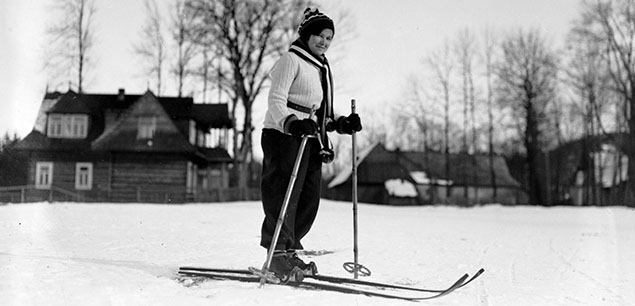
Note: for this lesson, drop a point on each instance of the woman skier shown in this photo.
(301, 81)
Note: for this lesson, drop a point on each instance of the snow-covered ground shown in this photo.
(127, 254)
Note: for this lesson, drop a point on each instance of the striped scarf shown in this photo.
(325, 113)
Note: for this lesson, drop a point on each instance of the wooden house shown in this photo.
(127, 148)
(417, 178)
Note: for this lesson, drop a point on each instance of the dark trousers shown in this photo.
(280, 152)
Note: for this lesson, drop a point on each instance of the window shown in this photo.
(43, 175)
(147, 127)
(191, 182)
(55, 126)
(83, 176)
(79, 124)
(201, 139)
(68, 126)
(192, 132)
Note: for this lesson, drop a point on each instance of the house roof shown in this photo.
(72, 103)
(208, 115)
(123, 135)
(470, 169)
(52, 95)
(38, 141)
(378, 165)
(345, 174)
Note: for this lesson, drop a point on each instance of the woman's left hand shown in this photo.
(350, 124)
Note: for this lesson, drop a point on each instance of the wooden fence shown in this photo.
(24, 194)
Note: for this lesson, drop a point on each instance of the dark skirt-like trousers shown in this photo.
(280, 152)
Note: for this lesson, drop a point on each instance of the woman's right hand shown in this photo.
(303, 127)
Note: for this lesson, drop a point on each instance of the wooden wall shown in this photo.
(144, 178)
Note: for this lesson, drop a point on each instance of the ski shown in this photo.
(340, 280)
(310, 285)
(343, 280)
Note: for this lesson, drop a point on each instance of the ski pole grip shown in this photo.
(353, 106)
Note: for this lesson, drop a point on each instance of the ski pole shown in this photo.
(285, 204)
(355, 267)
(354, 196)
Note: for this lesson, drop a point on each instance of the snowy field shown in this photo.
(127, 254)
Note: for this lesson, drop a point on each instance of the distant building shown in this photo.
(417, 178)
(589, 171)
(127, 148)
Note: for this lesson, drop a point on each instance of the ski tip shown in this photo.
(479, 272)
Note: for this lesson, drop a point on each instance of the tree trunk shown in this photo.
(629, 197)
(533, 153)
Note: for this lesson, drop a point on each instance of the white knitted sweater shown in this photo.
(295, 80)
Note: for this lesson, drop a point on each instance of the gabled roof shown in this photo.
(171, 135)
(208, 115)
(49, 101)
(345, 174)
(72, 103)
(53, 95)
(38, 141)
(123, 135)
(377, 165)
(470, 169)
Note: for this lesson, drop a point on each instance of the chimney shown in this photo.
(121, 95)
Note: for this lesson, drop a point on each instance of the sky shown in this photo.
(392, 38)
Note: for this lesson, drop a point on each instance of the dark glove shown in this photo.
(350, 124)
(303, 127)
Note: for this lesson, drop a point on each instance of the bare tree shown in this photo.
(488, 52)
(465, 53)
(587, 75)
(185, 46)
(442, 65)
(71, 41)
(249, 36)
(465, 49)
(151, 47)
(612, 25)
(527, 74)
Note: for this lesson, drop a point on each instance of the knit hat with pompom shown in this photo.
(314, 22)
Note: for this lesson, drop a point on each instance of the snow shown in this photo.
(421, 178)
(127, 254)
(400, 188)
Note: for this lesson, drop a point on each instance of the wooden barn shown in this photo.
(127, 148)
(417, 178)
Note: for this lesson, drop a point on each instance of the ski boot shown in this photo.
(306, 268)
(284, 270)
